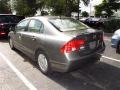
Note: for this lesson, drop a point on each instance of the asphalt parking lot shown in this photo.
(18, 72)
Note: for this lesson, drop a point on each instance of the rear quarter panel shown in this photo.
(53, 42)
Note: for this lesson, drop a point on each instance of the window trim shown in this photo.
(40, 27)
(25, 26)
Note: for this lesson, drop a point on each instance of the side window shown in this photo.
(22, 25)
(35, 26)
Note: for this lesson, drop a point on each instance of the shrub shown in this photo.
(111, 25)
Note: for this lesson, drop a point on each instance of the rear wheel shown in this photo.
(43, 62)
(118, 48)
(11, 44)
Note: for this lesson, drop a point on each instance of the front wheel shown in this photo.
(43, 63)
(118, 48)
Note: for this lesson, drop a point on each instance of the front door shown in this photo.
(30, 39)
(19, 29)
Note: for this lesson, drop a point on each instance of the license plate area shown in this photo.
(92, 45)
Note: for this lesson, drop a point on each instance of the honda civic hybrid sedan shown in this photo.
(57, 43)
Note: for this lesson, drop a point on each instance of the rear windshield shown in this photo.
(67, 24)
(8, 19)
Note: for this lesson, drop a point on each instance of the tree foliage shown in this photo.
(5, 6)
(25, 7)
(107, 8)
(85, 14)
(73, 6)
(59, 7)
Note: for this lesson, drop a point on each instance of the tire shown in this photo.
(118, 48)
(43, 63)
(11, 44)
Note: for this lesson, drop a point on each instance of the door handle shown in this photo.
(33, 38)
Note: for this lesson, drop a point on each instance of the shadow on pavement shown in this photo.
(4, 40)
(100, 76)
(26, 58)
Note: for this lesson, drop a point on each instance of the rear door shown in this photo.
(32, 37)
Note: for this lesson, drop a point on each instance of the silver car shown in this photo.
(57, 43)
(115, 42)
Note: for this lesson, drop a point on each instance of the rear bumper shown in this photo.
(79, 63)
(83, 62)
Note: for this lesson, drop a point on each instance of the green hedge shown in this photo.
(111, 25)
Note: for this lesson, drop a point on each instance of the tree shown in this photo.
(73, 6)
(25, 7)
(108, 7)
(41, 4)
(5, 6)
(59, 7)
(64, 7)
(85, 14)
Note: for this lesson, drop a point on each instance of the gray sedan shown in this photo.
(57, 43)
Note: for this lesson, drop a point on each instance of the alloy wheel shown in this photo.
(43, 63)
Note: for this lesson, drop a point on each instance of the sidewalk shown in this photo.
(108, 34)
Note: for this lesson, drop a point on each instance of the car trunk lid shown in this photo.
(93, 38)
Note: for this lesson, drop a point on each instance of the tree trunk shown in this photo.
(68, 8)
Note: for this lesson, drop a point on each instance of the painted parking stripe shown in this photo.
(18, 73)
(117, 60)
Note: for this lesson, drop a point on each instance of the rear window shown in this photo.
(67, 24)
(19, 18)
(8, 19)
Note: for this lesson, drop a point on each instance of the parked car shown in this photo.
(83, 19)
(19, 18)
(95, 22)
(57, 43)
(115, 42)
(7, 21)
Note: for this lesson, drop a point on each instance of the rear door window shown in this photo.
(35, 26)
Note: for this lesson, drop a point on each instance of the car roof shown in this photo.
(47, 17)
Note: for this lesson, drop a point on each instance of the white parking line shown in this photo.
(110, 58)
(18, 73)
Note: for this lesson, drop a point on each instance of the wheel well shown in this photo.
(36, 53)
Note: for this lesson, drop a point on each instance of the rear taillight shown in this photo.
(73, 45)
(2, 33)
